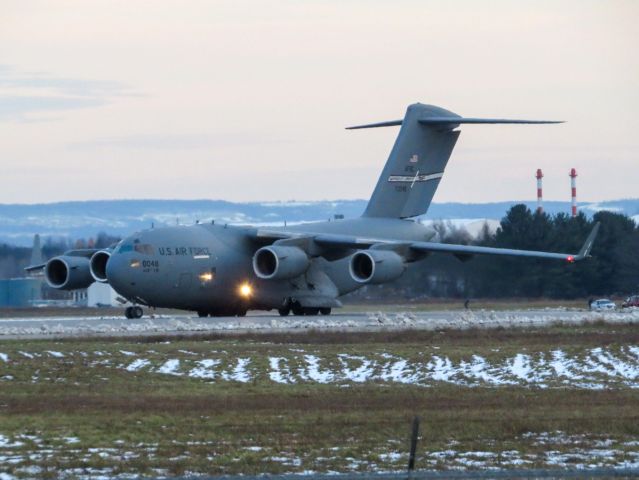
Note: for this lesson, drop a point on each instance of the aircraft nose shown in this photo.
(117, 273)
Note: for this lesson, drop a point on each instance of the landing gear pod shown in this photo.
(376, 266)
(279, 262)
(68, 273)
(98, 265)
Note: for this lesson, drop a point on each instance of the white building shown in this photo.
(101, 295)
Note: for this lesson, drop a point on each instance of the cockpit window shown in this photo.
(144, 248)
(124, 247)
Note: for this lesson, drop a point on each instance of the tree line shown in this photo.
(613, 269)
(13, 259)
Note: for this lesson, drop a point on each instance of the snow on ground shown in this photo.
(70, 326)
(592, 369)
(137, 365)
(170, 367)
(558, 450)
(588, 368)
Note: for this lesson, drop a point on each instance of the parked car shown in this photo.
(632, 301)
(602, 304)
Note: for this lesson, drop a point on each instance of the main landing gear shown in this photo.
(236, 312)
(298, 309)
(133, 312)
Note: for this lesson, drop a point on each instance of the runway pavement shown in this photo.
(73, 326)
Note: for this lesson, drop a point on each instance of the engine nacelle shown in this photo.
(376, 266)
(98, 265)
(68, 273)
(279, 262)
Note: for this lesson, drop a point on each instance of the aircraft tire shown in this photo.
(283, 311)
(311, 311)
(297, 309)
(325, 310)
(241, 312)
(202, 314)
(137, 312)
(128, 312)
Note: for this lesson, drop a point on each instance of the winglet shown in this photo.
(585, 250)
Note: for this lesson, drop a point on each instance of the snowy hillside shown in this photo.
(18, 223)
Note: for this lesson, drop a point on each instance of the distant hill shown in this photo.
(18, 223)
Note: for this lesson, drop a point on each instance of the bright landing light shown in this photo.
(245, 290)
(206, 277)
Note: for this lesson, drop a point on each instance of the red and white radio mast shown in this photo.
(573, 187)
(539, 176)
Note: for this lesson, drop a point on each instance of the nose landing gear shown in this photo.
(133, 312)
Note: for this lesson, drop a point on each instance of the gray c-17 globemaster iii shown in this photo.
(226, 270)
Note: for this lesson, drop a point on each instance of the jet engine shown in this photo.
(98, 265)
(68, 272)
(277, 262)
(376, 266)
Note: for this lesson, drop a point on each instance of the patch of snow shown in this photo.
(277, 373)
(391, 456)
(520, 366)
(6, 443)
(170, 367)
(361, 373)
(313, 371)
(138, 364)
(205, 369)
(239, 374)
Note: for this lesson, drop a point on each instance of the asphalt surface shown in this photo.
(97, 325)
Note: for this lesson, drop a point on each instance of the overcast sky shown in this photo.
(247, 101)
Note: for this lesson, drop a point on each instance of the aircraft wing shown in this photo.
(35, 268)
(352, 242)
(79, 252)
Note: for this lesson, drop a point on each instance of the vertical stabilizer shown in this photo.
(416, 163)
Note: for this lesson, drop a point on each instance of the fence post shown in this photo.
(413, 445)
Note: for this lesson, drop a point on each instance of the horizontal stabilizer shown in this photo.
(392, 123)
(457, 121)
(454, 121)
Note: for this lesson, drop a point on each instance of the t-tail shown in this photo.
(417, 161)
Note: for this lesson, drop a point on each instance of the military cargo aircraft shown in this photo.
(221, 270)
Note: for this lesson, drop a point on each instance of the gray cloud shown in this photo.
(49, 93)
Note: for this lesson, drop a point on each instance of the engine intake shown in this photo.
(68, 273)
(279, 262)
(376, 266)
(98, 265)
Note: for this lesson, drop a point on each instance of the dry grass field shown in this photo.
(325, 402)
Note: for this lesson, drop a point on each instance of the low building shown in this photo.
(101, 295)
(20, 292)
